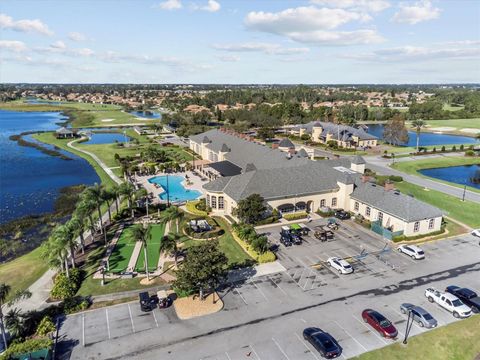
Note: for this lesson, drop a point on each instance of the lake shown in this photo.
(106, 138)
(425, 138)
(456, 174)
(30, 179)
(151, 115)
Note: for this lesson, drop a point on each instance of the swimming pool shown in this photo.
(175, 191)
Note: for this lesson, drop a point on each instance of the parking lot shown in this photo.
(264, 316)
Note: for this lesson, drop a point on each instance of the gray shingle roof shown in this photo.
(358, 160)
(394, 203)
(345, 132)
(286, 143)
(302, 153)
(205, 140)
(64, 130)
(225, 148)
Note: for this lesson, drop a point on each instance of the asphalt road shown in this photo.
(263, 317)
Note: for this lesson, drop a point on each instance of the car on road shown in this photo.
(449, 302)
(323, 342)
(380, 323)
(342, 215)
(476, 232)
(415, 252)
(421, 316)
(468, 297)
(342, 266)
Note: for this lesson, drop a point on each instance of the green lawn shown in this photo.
(123, 250)
(457, 341)
(229, 246)
(412, 167)
(23, 271)
(153, 249)
(464, 211)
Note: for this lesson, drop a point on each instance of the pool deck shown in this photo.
(195, 184)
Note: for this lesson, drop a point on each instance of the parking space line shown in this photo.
(228, 356)
(277, 285)
(370, 330)
(108, 323)
(83, 329)
(403, 316)
(280, 348)
(348, 334)
(131, 318)
(258, 288)
(238, 292)
(155, 317)
(293, 280)
(251, 347)
(306, 346)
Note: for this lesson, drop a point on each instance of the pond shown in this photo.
(462, 175)
(146, 114)
(425, 138)
(106, 138)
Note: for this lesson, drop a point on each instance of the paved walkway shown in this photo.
(111, 246)
(255, 271)
(133, 259)
(381, 166)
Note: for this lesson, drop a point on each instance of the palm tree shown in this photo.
(115, 190)
(418, 124)
(170, 244)
(85, 209)
(143, 234)
(77, 228)
(128, 190)
(143, 193)
(14, 322)
(61, 246)
(95, 193)
(107, 195)
(4, 292)
(173, 214)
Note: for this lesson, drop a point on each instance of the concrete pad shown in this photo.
(142, 320)
(95, 327)
(120, 320)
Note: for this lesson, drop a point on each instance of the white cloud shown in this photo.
(358, 5)
(267, 48)
(59, 45)
(212, 6)
(169, 5)
(417, 12)
(76, 36)
(25, 25)
(13, 45)
(340, 38)
(60, 48)
(228, 58)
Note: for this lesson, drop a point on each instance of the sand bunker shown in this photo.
(445, 128)
(470, 131)
(108, 120)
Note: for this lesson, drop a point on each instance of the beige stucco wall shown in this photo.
(229, 203)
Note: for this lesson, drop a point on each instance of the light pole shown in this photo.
(464, 191)
(168, 193)
(103, 275)
(409, 326)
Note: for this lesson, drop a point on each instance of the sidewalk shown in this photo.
(252, 272)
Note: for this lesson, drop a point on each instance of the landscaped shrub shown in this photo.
(443, 148)
(27, 346)
(410, 238)
(266, 257)
(268, 220)
(246, 236)
(74, 304)
(434, 149)
(325, 214)
(260, 244)
(295, 216)
(454, 148)
(45, 327)
(469, 153)
(461, 147)
(66, 287)
(395, 178)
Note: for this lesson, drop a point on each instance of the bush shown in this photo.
(260, 244)
(332, 144)
(454, 148)
(461, 147)
(45, 327)
(410, 238)
(469, 153)
(195, 207)
(268, 220)
(266, 257)
(434, 149)
(326, 214)
(443, 149)
(65, 287)
(395, 178)
(27, 346)
(75, 304)
(295, 216)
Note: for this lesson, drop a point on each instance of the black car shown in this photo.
(147, 302)
(468, 297)
(342, 215)
(323, 342)
(286, 238)
(290, 236)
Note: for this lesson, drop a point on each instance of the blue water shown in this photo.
(175, 188)
(456, 174)
(41, 101)
(425, 138)
(106, 138)
(142, 114)
(30, 179)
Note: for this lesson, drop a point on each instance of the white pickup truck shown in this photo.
(449, 302)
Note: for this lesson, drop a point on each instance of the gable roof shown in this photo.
(286, 143)
(338, 131)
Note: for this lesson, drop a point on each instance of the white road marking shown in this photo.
(238, 292)
(228, 356)
(280, 348)
(258, 288)
(155, 317)
(108, 323)
(348, 334)
(303, 342)
(278, 286)
(131, 318)
(83, 329)
(370, 329)
(251, 347)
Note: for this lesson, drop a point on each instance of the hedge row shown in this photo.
(295, 216)
(26, 347)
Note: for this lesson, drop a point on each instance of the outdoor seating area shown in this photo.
(199, 225)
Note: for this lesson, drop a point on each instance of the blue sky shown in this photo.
(244, 41)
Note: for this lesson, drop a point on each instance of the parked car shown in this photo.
(294, 235)
(476, 232)
(415, 252)
(323, 342)
(147, 302)
(286, 238)
(342, 215)
(320, 234)
(342, 266)
(420, 315)
(468, 297)
(380, 323)
(449, 302)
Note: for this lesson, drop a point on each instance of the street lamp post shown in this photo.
(103, 275)
(409, 326)
(168, 193)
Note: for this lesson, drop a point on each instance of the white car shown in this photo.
(449, 302)
(342, 266)
(413, 251)
(476, 232)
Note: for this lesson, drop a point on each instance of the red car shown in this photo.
(379, 323)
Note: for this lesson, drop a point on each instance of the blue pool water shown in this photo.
(175, 188)
(150, 115)
(105, 138)
(457, 174)
(30, 179)
(425, 138)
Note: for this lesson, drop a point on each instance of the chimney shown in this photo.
(365, 178)
(389, 185)
(275, 146)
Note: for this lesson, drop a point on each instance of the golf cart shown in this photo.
(294, 234)
(332, 224)
(164, 301)
(300, 229)
(147, 302)
(286, 237)
(320, 234)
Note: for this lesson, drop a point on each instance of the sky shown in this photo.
(240, 41)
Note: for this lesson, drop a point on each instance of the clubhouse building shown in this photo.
(290, 181)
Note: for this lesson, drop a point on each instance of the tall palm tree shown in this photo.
(115, 189)
(14, 322)
(4, 292)
(128, 190)
(77, 228)
(107, 195)
(173, 214)
(170, 244)
(85, 209)
(143, 234)
(143, 193)
(418, 125)
(95, 193)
